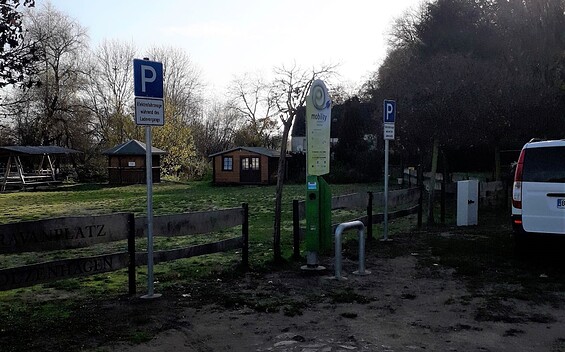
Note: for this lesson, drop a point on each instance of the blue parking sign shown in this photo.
(148, 78)
(389, 111)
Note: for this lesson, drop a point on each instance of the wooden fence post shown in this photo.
(370, 217)
(245, 237)
(442, 200)
(443, 186)
(421, 198)
(295, 229)
(131, 251)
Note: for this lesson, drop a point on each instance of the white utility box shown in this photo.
(467, 202)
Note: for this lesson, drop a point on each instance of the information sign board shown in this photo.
(318, 123)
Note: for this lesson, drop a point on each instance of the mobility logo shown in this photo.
(319, 117)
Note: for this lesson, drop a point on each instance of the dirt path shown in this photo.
(442, 289)
(408, 303)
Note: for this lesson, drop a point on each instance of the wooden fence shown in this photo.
(79, 232)
(409, 199)
(193, 224)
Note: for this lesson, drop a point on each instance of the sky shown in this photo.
(226, 39)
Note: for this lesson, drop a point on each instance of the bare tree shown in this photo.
(214, 130)
(341, 93)
(16, 54)
(291, 86)
(252, 99)
(182, 82)
(110, 92)
(17, 58)
(182, 89)
(53, 110)
(404, 31)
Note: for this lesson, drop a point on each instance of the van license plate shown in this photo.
(560, 203)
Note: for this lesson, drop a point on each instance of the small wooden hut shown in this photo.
(126, 163)
(245, 165)
(30, 166)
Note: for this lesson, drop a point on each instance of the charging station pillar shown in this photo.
(318, 195)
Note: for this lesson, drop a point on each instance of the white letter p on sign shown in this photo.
(389, 110)
(147, 79)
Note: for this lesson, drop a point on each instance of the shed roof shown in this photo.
(132, 147)
(35, 150)
(271, 153)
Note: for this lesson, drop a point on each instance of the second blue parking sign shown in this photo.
(389, 111)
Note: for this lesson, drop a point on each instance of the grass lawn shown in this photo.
(168, 198)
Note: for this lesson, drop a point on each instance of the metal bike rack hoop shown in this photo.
(338, 234)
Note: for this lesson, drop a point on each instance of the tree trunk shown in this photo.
(435, 152)
(279, 193)
(497, 166)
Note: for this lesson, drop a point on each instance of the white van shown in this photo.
(538, 196)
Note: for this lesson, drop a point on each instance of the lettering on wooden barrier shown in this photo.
(62, 233)
(62, 269)
(50, 235)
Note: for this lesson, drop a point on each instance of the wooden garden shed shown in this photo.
(245, 165)
(30, 166)
(126, 163)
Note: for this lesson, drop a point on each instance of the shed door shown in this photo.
(250, 170)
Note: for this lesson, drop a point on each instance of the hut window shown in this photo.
(254, 163)
(250, 163)
(227, 163)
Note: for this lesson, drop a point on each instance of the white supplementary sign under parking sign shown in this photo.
(149, 112)
(388, 131)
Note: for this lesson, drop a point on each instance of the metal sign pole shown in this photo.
(385, 222)
(149, 179)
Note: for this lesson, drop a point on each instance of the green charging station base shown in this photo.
(318, 220)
